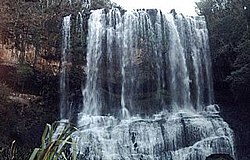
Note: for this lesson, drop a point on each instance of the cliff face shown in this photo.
(12, 56)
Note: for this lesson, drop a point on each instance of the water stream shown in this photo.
(148, 92)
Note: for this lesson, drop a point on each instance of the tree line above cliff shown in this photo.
(32, 31)
(38, 23)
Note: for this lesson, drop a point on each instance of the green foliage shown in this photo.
(56, 140)
(10, 152)
(97, 4)
(48, 85)
(239, 79)
(4, 93)
(228, 25)
(24, 72)
(243, 57)
(23, 75)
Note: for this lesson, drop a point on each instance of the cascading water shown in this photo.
(194, 38)
(179, 78)
(92, 93)
(143, 62)
(64, 104)
(144, 58)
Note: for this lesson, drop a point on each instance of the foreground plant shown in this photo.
(9, 153)
(57, 143)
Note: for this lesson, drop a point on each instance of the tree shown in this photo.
(228, 22)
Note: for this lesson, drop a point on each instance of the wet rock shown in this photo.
(179, 136)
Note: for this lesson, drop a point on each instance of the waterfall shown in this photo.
(92, 93)
(194, 38)
(148, 92)
(79, 25)
(145, 61)
(179, 78)
(64, 104)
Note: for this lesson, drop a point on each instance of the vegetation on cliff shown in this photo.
(31, 33)
(228, 24)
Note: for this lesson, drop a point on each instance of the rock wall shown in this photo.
(180, 136)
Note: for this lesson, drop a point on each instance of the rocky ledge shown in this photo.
(184, 135)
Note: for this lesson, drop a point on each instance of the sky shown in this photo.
(187, 7)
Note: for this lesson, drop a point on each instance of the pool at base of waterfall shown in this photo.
(183, 135)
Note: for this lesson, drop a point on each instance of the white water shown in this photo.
(64, 104)
(141, 63)
(92, 95)
(180, 136)
(179, 81)
(144, 59)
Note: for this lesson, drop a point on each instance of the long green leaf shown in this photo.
(34, 153)
(44, 136)
(53, 149)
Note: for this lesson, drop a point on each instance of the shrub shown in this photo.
(4, 93)
(9, 153)
(56, 140)
(24, 75)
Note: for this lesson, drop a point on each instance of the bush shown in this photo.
(56, 140)
(24, 75)
(4, 93)
(9, 153)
